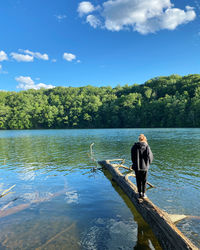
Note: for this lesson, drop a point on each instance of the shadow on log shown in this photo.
(162, 224)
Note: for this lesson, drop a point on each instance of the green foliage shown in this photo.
(171, 101)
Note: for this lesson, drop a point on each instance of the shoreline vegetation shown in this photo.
(165, 101)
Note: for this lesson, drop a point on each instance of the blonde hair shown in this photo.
(142, 138)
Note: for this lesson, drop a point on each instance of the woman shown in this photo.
(142, 157)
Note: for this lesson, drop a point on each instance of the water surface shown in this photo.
(61, 202)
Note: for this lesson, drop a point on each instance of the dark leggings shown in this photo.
(141, 179)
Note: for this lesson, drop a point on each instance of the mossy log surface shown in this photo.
(161, 223)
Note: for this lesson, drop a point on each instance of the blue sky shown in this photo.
(48, 43)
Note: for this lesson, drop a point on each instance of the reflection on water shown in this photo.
(59, 203)
(145, 238)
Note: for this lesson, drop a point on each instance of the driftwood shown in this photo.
(125, 167)
(162, 223)
(130, 174)
(55, 237)
(13, 210)
(7, 191)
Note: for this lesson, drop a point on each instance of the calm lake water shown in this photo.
(60, 201)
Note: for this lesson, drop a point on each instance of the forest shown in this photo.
(165, 101)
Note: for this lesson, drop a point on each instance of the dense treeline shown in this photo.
(172, 101)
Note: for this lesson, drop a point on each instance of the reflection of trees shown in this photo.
(145, 236)
(32, 152)
(50, 150)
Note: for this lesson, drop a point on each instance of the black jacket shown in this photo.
(141, 156)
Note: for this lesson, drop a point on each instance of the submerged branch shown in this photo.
(91, 155)
(13, 210)
(5, 192)
(55, 236)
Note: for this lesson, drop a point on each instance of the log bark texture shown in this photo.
(168, 235)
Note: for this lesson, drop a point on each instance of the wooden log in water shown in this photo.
(161, 223)
(132, 174)
(21, 207)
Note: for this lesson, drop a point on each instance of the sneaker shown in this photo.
(140, 195)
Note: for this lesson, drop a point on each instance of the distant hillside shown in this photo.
(172, 101)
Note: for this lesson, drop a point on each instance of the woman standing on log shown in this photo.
(142, 157)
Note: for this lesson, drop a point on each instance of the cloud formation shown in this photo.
(21, 57)
(3, 56)
(146, 16)
(85, 8)
(93, 21)
(25, 83)
(28, 56)
(60, 17)
(36, 54)
(69, 57)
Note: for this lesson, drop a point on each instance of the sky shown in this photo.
(50, 43)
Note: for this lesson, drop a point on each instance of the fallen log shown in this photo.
(13, 210)
(132, 174)
(161, 223)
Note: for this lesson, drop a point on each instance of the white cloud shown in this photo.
(174, 17)
(3, 56)
(36, 54)
(85, 8)
(0, 67)
(21, 57)
(93, 21)
(28, 56)
(146, 16)
(45, 86)
(25, 82)
(69, 57)
(60, 17)
(54, 60)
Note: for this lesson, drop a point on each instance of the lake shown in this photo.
(61, 200)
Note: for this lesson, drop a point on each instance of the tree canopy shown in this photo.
(166, 101)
